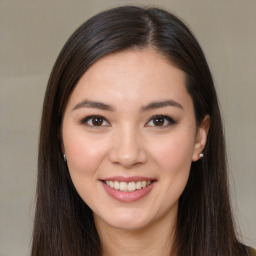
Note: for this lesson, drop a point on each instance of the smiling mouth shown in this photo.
(128, 186)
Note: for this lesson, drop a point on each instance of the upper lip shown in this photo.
(128, 179)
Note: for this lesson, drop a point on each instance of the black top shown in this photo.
(250, 251)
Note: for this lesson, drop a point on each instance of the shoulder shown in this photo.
(251, 251)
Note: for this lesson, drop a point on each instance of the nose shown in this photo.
(128, 149)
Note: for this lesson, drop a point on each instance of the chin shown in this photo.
(128, 219)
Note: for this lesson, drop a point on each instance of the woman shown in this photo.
(132, 155)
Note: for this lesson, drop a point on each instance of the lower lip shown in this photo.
(128, 196)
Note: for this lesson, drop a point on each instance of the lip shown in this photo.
(128, 196)
(128, 179)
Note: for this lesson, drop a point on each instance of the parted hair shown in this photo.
(63, 224)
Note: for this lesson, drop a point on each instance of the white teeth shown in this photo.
(116, 185)
(127, 187)
(138, 184)
(131, 186)
(123, 186)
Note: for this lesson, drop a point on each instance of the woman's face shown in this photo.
(129, 135)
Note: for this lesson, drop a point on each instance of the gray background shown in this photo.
(32, 34)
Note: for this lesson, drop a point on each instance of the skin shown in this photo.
(128, 143)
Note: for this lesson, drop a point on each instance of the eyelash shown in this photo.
(87, 119)
(168, 119)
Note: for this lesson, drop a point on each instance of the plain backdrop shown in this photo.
(31, 35)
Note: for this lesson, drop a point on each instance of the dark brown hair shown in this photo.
(63, 222)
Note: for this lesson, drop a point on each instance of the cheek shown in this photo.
(174, 158)
(84, 157)
(174, 152)
(84, 153)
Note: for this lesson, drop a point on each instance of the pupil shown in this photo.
(158, 121)
(97, 121)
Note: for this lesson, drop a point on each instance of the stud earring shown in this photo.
(201, 155)
(64, 157)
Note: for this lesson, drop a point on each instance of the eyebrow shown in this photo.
(93, 104)
(160, 104)
(150, 106)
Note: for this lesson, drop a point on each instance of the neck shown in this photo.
(151, 241)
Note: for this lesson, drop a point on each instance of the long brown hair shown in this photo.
(63, 222)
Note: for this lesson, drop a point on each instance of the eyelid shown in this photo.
(169, 119)
(86, 119)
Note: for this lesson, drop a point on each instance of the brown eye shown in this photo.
(97, 121)
(158, 121)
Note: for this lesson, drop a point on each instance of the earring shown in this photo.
(201, 155)
(64, 157)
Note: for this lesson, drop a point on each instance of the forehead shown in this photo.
(132, 76)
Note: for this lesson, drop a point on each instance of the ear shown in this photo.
(201, 138)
